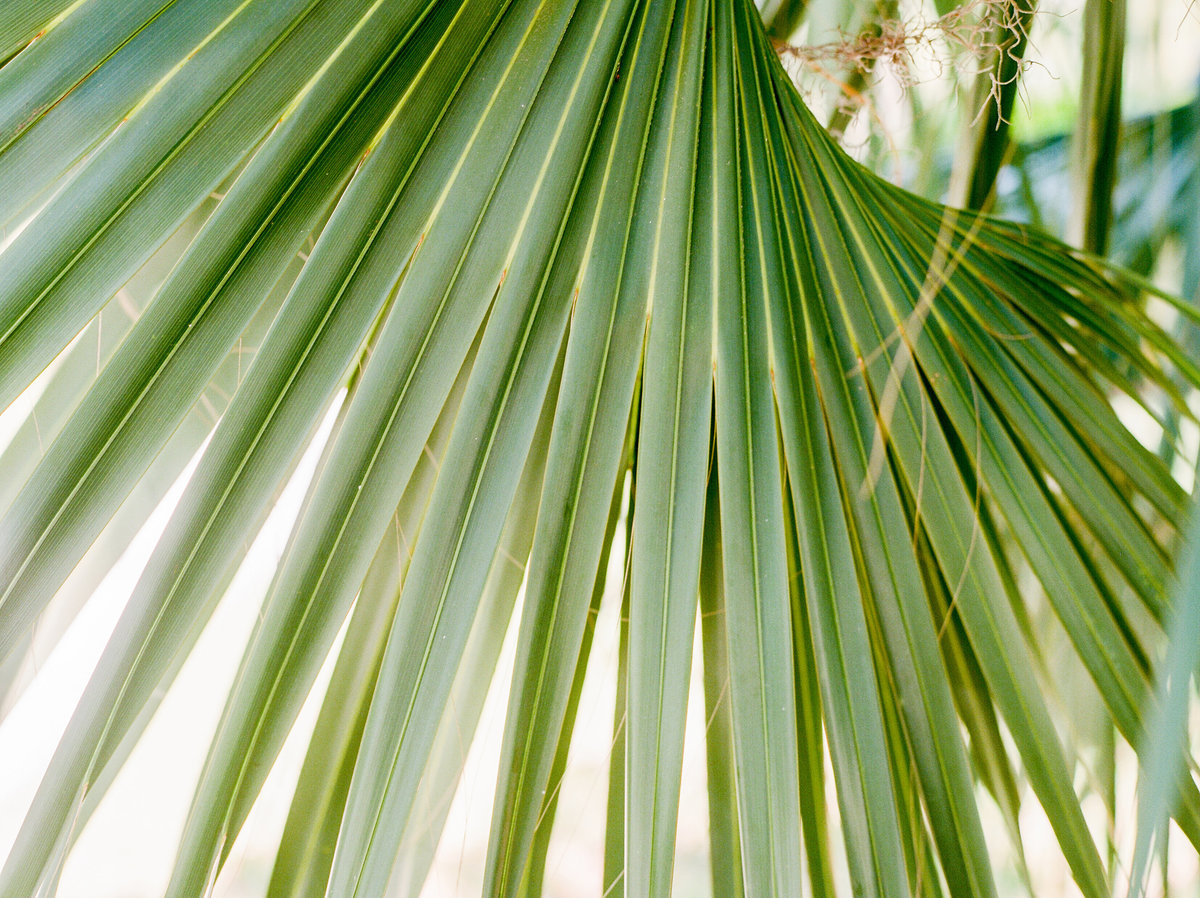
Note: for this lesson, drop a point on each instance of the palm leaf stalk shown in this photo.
(1097, 135)
(559, 248)
(986, 142)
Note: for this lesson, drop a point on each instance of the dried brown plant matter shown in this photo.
(969, 38)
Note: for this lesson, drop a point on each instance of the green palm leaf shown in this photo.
(548, 247)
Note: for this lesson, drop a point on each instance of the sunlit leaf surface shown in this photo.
(563, 257)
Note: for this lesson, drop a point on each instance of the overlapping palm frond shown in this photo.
(561, 251)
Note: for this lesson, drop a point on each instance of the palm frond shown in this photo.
(539, 255)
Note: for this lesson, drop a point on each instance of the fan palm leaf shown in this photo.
(533, 255)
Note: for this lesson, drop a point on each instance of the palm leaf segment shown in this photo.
(559, 247)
